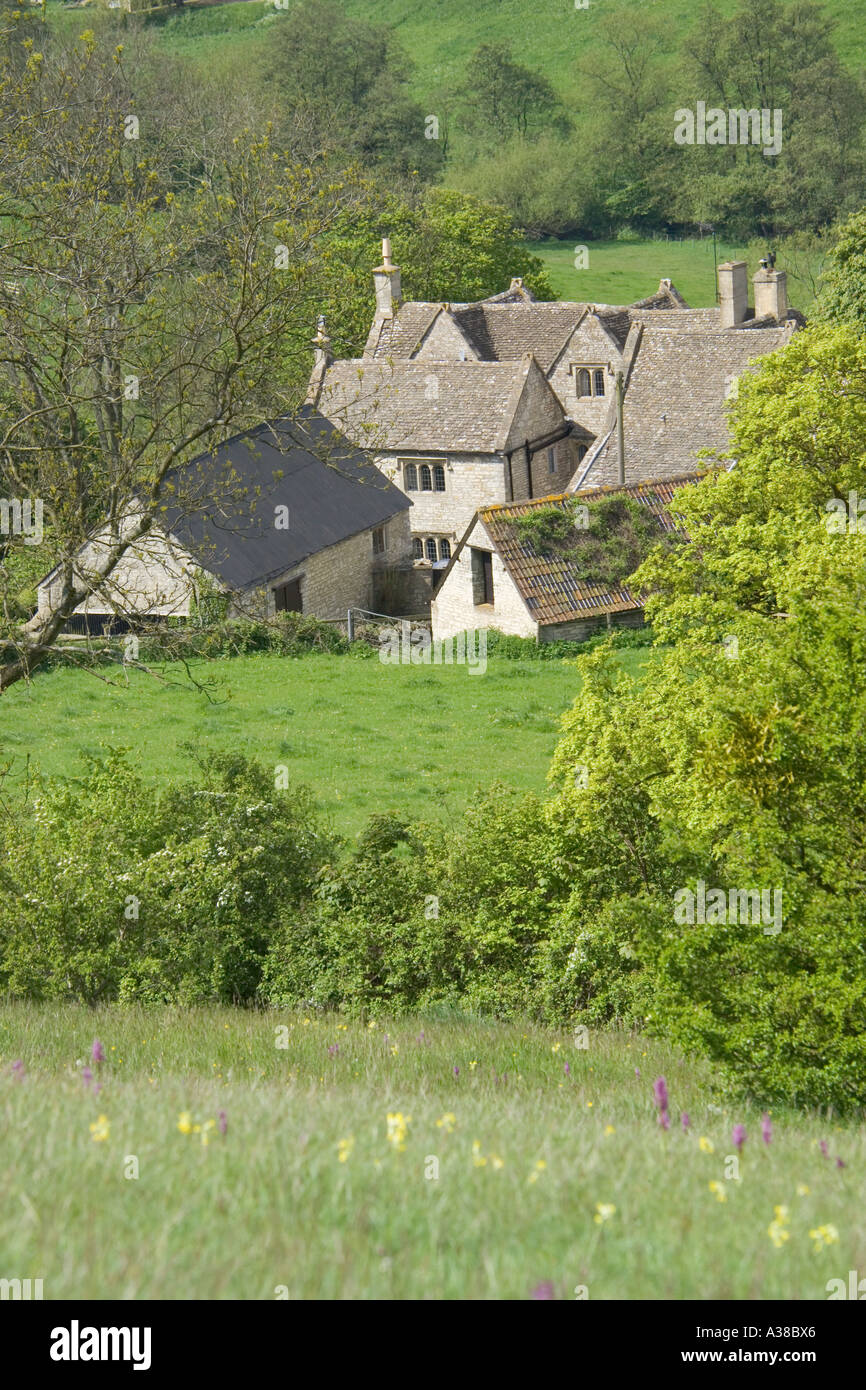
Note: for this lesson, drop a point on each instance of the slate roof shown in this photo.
(548, 586)
(675, 400)
(332, 491)
(467, 407)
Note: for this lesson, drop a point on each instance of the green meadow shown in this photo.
(366, 737)
(520, 1162)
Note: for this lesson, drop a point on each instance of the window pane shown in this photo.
(444, 550)
(599, 381)
(431, 550)
(417, 548)
(439, 478)
(411, 478)
(584, 385)
(551, 460)
(426, 485)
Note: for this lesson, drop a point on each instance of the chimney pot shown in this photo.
(771, 294)
(733, 292)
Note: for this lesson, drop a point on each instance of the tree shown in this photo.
(140, 327)
(842, 291)
(505, 98)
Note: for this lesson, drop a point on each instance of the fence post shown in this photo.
(350, 626)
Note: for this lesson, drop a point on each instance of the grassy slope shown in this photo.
(270, 1204)
(365, 736)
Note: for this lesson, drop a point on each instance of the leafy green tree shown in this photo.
(842, 291)
(505, 98)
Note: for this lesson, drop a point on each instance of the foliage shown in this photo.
(617, 537)
(842, 292)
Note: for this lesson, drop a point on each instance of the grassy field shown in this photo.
(554, 37)
(552, 1170)
(366, 737)
(620, 272)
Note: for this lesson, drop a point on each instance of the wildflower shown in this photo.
(567, 1069)
(446, 1122)
(537, 1171)
(685, 1122)
(589, 1105)
(776, 1229)
(824, 1147)
(334, 1050)
(497, 1162)
(609, 1129)
(99, 1129)
(660, 1093)
(802, 1190)
(472, 1066)
(719, 1192)
(394, 1050)
(840, 1163)
(18, 1069)
(184, 1122)
(344, 1148)
(637, 1071)
(205, 1131)
(738, 1135)
(664, 1119)
(766, 1128)
(706, 1146)
(544, 1290)
(603, 1212)
(823, 1235)
(556, 1047)
(456, 1071)
(372, 1023)
(97, 1052)
(478, 1159)
(222, 1122)
(398, 1128)
(86, 1075)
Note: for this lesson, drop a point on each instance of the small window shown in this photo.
(438, 478)
(444, 550)
(584, 383)
(582, 451)
(379, 540)
(598, 377)
(431, 550)
(287, 598)
(417, 548)
(551, 460)
(482, 576)
(410, 478)
(426, 483)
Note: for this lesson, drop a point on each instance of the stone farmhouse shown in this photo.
(466, 406)
(286, 517)
(499, 578)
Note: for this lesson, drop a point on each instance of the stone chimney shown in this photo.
(733, 292)
(386, 278)
(771, 293)
(322, 360)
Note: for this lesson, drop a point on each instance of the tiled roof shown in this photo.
(467, 407)
(675, 401)
(548, 586)
(504, 332)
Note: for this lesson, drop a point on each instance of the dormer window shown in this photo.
(589, 381)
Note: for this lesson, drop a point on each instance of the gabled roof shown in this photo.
(331, 489)
(675, 402)
(463, 407)
(548, 585)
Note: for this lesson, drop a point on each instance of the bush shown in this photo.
(110, 890)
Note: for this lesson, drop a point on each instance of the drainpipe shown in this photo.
(620, 440)
(528, 468)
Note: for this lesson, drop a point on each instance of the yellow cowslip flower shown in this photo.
(823, 1235)
(802, 1190)
(537, 1170)
(478, 1159)
(372, 1023)
(782, 1215)
(706, 1146)
(446, 1122)
(184, 1122)
(205, 1131)
(398, 1128)
(556, 1047)
(394, 1050)
(344, 1148)
(609, 1129)
(99, 1129)
(496, 1161)
(603, 1212)
(717, 1189)
(472, 1066)
(777, 1233)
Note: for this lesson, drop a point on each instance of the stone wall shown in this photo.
(343, 576)
(454, 610)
